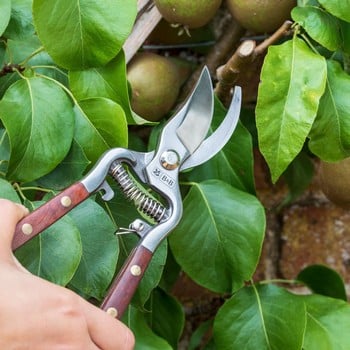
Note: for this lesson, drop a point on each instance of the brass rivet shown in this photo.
(170, 160)
(66, 201)
(112, 311)
(27, 229)
(135, 270)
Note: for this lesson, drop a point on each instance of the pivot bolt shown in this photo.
(170, 160)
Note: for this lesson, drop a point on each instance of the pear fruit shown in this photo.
(261, 16)
(335, 181)
(189, 13)
(155, 85)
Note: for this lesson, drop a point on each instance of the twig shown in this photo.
(218, 54)
(10, 68)
(282, 31)
(240, 61)
(228, 73)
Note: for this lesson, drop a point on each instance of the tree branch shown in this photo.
(244, 56)
(218, 54)
(10, 68)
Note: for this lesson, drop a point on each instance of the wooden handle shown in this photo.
(127, 281)
(47, 214)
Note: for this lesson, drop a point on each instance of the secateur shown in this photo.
(182, 145)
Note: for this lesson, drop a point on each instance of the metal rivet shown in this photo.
(112, 311)
(135, 270)
(27, 229)
(66, 201)
(170, 160)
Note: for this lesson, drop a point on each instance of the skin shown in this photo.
(193, 14)
(155, 85)
(261, 16)
(334, 182)
(36, 314)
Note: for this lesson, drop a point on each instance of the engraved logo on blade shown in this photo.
(166, 179)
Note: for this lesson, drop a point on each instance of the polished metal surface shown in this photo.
(218, 139)
(198, 115)
(181, 145)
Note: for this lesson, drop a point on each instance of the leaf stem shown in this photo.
(34, 53)
(187, 183)
(18, 188)
(312, 47)
(50, 67)
(21, 190)
(34, 188)
(69, 93)
(109, 211)
(278, 280)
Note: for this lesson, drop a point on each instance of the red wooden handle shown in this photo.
(127, 281)
(47, 214)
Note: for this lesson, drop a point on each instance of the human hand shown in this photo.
(37, 314)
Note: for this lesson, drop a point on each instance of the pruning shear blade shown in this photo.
(218, 139)
(199, 114)
(182, 145)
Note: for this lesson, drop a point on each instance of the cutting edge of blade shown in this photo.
(199, 114)
(218, 139)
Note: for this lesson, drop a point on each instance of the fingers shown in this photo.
(10, 214)
(105, 331)
(92, 346)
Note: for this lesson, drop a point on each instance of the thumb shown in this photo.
(10, 214)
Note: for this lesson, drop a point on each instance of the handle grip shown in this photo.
(48, 213)
(127, 281)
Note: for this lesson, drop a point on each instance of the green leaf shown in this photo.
(323, 280)
(21, 21)
(320, 25)
(166, 317)
(199, 334)
(100, 249)
(332, 125)
(54, 254)
(261, 317)
(298, 176)
(145, 339)
(171, 273)
(338, 8)
(122, 210)
(2, 53)
(70, 170)
(100, 124)
(108, 81)
(8, 192)
(328, 323)
(345, 32)
(18, 51)
(219, 238)
(39, 119)
(5, 151)
(23, 49)
(308, 3)
(234, 163)
(5, 10)
(293, 81)
(82, 34)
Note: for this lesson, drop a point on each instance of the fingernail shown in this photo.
(25, 209)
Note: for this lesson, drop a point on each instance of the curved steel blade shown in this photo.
(199, 113)
(217, 140)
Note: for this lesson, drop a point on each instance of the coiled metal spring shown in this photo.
(142, 200)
